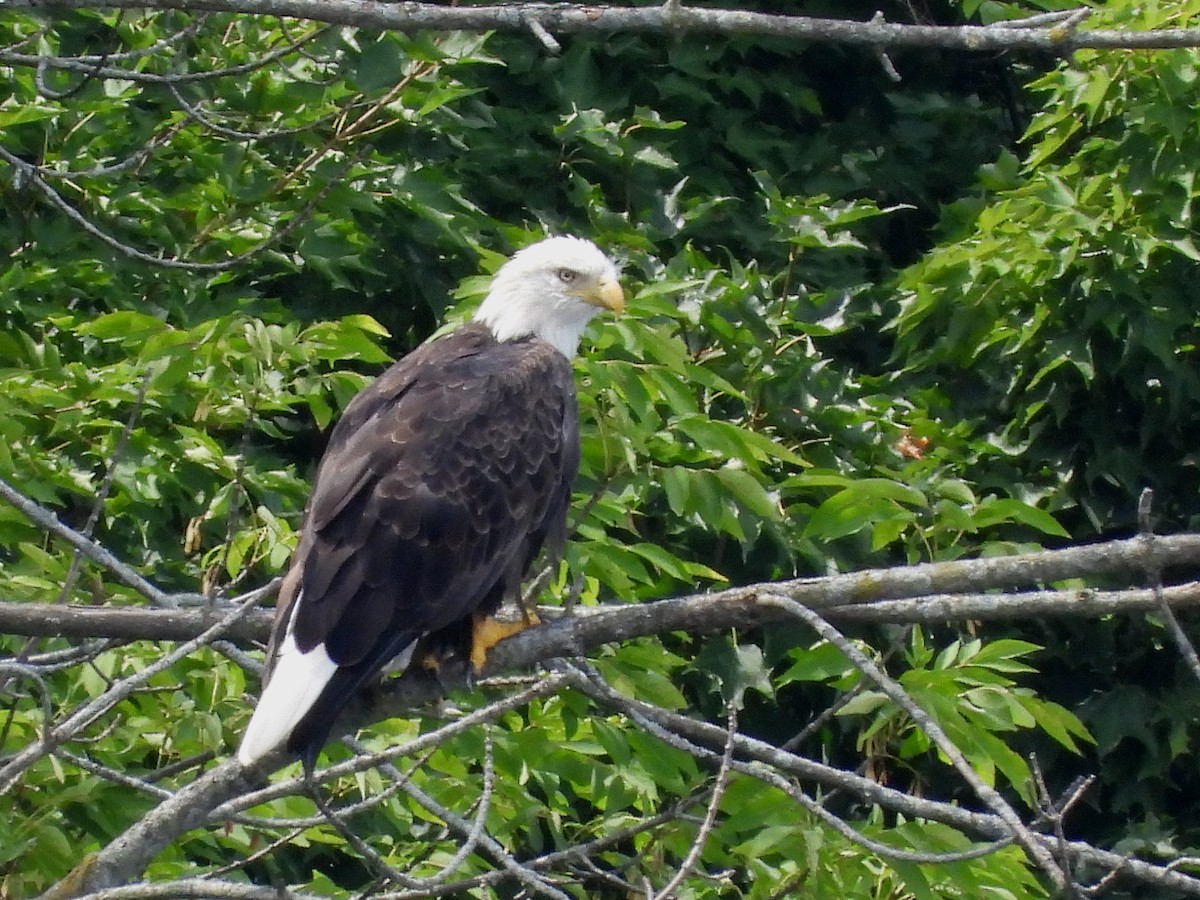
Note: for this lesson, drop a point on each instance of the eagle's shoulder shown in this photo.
(456, 370)
(453, 405)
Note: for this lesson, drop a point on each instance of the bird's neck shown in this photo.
(512, 318)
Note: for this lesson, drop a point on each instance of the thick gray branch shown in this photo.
(594, 625)
(927, 593)
(930, 592)
(672, 18)
(128, 623)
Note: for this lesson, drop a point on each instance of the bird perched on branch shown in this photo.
(441, 483)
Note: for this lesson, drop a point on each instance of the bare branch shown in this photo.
(1058, 36)
(710, 813)
(50, 523)
(547, 39)
(1155, 575)
(131, 623)
(197, 889)
(927, 593)
(475, 836)
(534, 882)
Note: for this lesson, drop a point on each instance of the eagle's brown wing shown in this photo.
(441, 482)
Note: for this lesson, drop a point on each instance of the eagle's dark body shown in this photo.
(441, 483)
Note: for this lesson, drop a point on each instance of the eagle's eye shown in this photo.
(567, 276)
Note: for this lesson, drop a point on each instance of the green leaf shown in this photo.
(748, 493)
(859, 505)
(821, 662)
(380, 65)
(736, 669)
(864, 703)
(995, 510)
(127, 327)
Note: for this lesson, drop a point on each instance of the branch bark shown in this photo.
(541, 19)
(128, 623)
(927, 593)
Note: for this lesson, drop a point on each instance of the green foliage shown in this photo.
(202, 469)
(767, 408)
(1060, 306)
(1071, 277)
(967, 689)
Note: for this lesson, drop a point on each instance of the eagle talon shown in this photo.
(487, 632)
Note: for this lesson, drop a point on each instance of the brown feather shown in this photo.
(441, 483)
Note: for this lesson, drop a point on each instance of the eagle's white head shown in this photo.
(551, 290)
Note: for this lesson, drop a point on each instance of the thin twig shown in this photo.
(710, 814)
(92, 65)
(106, 484)
(1154, 573)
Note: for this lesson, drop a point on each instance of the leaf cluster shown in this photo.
(323, 199)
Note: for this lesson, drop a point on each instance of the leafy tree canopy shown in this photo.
(871, 323)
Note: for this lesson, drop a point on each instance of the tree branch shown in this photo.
(1054, 36)
(927, 593)
(131, 623)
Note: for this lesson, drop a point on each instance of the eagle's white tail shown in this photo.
(295, 685)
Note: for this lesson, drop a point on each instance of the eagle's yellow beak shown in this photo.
(609, 295)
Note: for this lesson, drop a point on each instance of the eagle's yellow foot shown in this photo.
(487, 632)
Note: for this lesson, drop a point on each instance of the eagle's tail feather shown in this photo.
(297, 683)
(310, 732)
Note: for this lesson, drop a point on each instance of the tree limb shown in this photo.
(927, 593)
(1056, 36)
(128, 623)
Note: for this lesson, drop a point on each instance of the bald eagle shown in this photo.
(442, 481)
